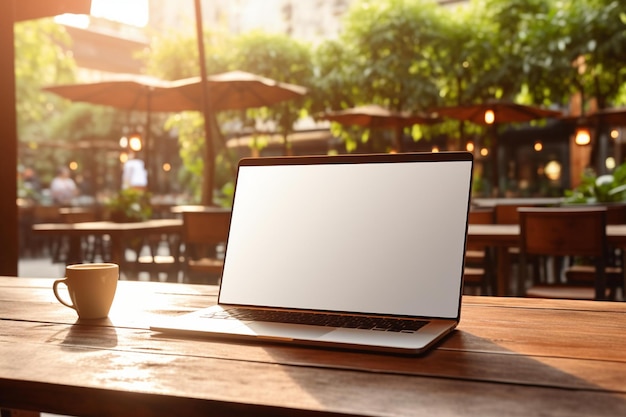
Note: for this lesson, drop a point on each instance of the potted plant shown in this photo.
(130, 205)
(594, 189)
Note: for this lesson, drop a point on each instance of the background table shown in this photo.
(121, 235)
(509, 356)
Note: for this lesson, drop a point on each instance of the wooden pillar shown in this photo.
(8, 144)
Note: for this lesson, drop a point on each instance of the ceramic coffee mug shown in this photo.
(91, 288)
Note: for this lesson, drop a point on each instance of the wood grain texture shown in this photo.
(509, 356)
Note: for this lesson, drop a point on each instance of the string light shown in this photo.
(583, 137)
(134, 142)
(490, 117)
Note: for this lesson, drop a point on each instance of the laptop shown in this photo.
(360, 252)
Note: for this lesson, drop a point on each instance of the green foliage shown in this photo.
(608, 188)
(174, 55)
(40, 60)
(402, 54)
(281, 58)
(391, 45)
(130, 205)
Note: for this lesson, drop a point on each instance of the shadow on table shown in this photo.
(91, 334)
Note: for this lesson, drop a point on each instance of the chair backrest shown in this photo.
(481, 216)
(206, 227)
(561, 231)
(46, 214)
(616, 213)
(507, 213)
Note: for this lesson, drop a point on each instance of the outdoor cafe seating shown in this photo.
(478, 271)
(204, 235)
(567, 235)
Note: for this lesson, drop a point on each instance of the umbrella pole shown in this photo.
(209, 160)
(496, 162)
(148, 145)
(399, 133)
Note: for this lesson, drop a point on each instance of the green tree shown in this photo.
(40, 60)
(281, 58)
(386, 59)
(391, 43)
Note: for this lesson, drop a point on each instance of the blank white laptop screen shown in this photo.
(381, 238)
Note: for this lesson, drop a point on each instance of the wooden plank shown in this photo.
(565, 357)
(466, 359)
(228, 384)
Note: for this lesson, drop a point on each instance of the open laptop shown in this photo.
(353, 251)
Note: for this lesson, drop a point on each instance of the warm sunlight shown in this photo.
(130, 12)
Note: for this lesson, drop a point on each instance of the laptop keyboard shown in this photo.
(385, 324)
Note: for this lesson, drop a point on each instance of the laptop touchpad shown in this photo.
(287, 331)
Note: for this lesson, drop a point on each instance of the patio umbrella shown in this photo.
(235, 90)
(374, 116)
(229, 91)
(232, 90)
(503, 112)
(615, 117)
(492, 114)
(129, 92)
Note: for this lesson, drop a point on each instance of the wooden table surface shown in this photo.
(508, 357)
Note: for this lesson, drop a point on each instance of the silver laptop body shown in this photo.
(343, 239)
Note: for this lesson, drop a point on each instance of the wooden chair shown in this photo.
(584, 274)
(204, 234)
(508, 214)
(564, 232)
(478, 272)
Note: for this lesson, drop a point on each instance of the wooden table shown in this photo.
(120, 233)
(509, 357)
(503, 236)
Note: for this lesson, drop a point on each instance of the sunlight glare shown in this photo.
(80, 21)
(130, 12)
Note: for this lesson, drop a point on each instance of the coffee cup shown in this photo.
(91, 288)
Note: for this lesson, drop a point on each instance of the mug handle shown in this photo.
(56, 294)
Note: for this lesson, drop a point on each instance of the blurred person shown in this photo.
(134, 174)
(63, 188)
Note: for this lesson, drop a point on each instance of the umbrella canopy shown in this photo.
(503, 112)
(615, 117)
(227, 91)
(127, 92)
(236, 90)
(375, 116)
